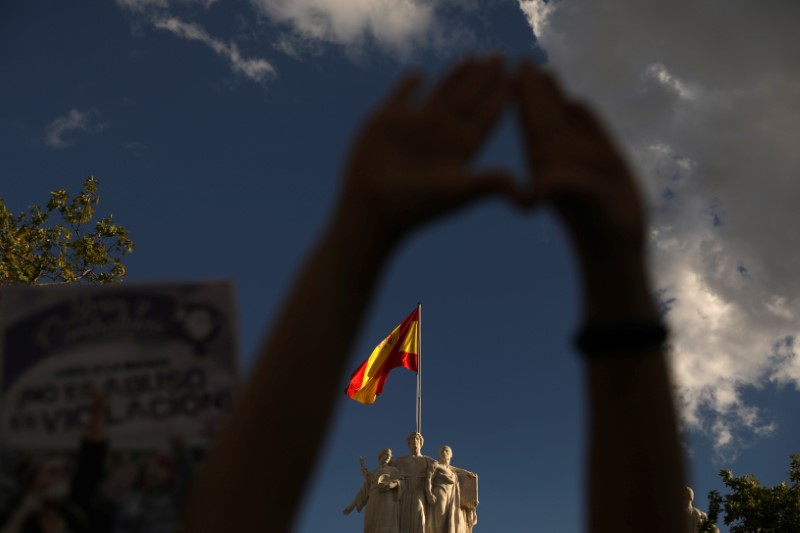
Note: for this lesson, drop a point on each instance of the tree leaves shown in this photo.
(752, 508)
(33, 249)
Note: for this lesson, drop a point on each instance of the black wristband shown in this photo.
(620, 338)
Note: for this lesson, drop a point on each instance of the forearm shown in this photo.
(292, 390)
(89, 472)
(635, 465)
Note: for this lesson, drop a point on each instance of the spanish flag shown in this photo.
(400, 348)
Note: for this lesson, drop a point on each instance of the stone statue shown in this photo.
(447, 515)
(416, 494)
(416, 471)
(380, 495)
(694, 516)
(468, 484)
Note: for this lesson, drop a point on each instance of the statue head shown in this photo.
(415, 442)
(384, 456)
(445, 454)
(690, 495)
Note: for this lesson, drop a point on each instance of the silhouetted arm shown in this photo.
(635, 464)
(410, 164)
(91, 455)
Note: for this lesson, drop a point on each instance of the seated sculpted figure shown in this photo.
(416, 471)
(380, 495)
(446, 514)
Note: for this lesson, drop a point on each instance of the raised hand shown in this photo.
(635, 469)
(412, 159)
(577, 169)
(576, 166)
(96, 429)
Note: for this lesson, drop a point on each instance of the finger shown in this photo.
(447, 134)
(545, 193)
(581, 116)
(483, 79)
(467, 126)
(598, 149)
(99, 401)
(491, 104)
(568, 192)
(490, 182)
(541, 104)
(457, 76)
(403, 92)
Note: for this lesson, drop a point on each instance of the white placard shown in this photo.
(164, 355)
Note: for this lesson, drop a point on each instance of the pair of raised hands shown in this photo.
(410, 163)
(412, 159)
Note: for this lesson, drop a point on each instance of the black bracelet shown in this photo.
(620, 338)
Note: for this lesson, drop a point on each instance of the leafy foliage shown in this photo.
(751, 508)
(33, 249)
(709, 525)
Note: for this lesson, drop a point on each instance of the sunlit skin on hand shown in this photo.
(411, 161)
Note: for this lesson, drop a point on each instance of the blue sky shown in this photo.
(218, 131)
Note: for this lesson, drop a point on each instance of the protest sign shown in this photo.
(164, 356)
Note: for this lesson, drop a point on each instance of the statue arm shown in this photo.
(391, 485)
(431, 464)
(360, 499)
(458, 470)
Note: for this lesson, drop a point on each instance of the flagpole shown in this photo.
(419, 371)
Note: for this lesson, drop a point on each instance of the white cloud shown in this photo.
(144, 5)
(660, 74)
(307, 27)
(537, 13)
(160, 13)
(64, 130)
(704, 97)
(257, 69)
(398, 25)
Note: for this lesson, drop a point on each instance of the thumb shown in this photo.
(494, 181)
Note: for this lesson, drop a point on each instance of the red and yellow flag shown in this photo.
(400, 348)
